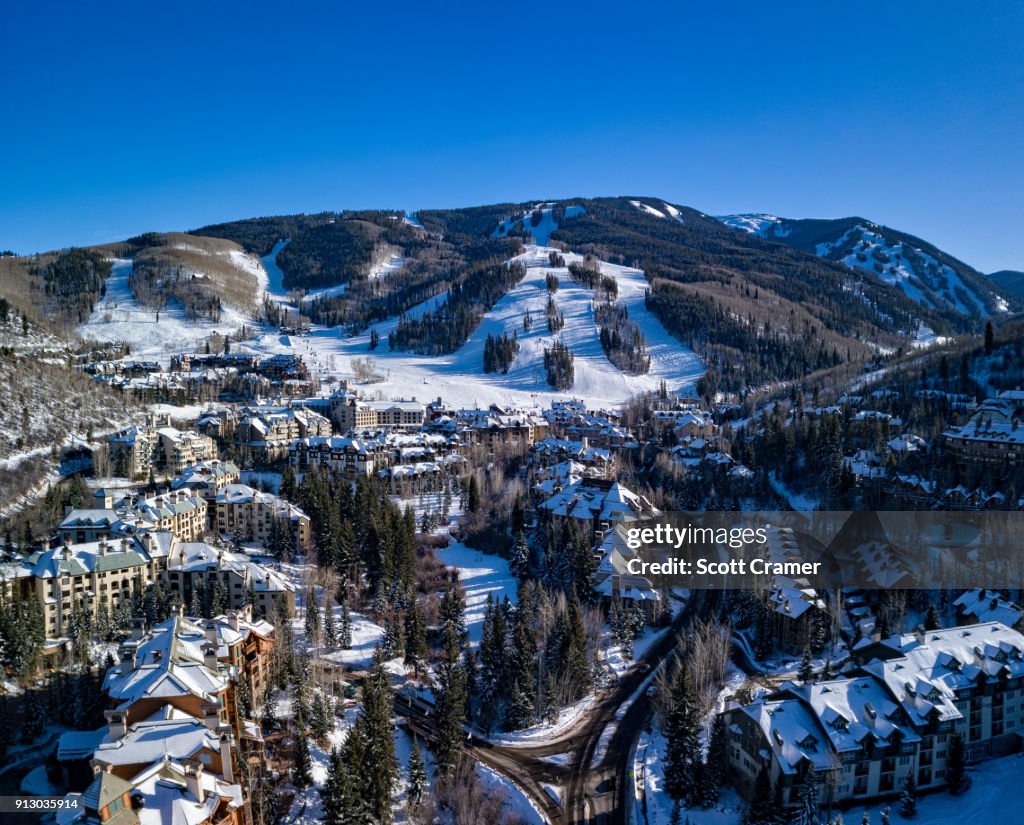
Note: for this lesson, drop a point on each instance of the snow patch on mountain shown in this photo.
(650, 210)
(541, 232)
(757, 223)
(672, 211)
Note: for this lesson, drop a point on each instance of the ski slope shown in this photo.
(120, 317)
(458, 377)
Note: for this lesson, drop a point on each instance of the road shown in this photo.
(594, 765)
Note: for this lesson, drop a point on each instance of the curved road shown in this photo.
(594, 775)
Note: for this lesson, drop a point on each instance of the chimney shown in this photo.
(211, 715)
(210, 656)
(124, 545)
(104, 547)
(233, 620)
(117, 722)
(46, 545)
(226, 767)
(194, 779)
(210, 632)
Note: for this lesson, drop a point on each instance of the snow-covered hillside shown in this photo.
(153, 333)
(756, 223)
(891, 256)
(459, 378)
(923, 278)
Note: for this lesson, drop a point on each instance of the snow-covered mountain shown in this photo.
(754, 299)
(926, 274)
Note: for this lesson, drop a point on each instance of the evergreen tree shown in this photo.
(330, 628)
(345, 626)
(378, 701)
(473, 496)
(808, 813)
(806, 670)
(931, 619)
(519, 563)
(268, 715)
(319, 719)
(450, 705)
(417, 773)
(717, 767)
(955, 771)
(519, 712)
(335, 793)
(761, 811)
(302, 766)
(415, 638)
(32, 718)
(682, 729)
(908, 798)
(218, 601)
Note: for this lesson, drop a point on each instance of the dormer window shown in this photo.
(809, 743)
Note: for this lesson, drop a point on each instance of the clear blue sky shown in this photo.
(124, 118)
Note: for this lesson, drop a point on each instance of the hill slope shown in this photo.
(926, 274)
(458, 376)
(1010, 281)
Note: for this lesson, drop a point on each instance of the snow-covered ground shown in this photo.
(459, 378)
(516, 803)
(481, 575)
(649, 775)
(120, 317)
(567, 717)
(757, 223)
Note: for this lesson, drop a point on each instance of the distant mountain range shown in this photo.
(924, 272)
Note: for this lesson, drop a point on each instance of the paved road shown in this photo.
(596, 766)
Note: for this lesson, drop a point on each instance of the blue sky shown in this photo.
(125, 118)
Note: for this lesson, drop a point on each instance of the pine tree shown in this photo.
(808, 813)
(268, 715)
(319, 719)
(243, 699)
(312, 618)
(955, 772)
(519, 711)
(908, 798)
(415, 638)
(760, 811)
(302, 767)
(330, 627)
(716, 769)
(519, 564)
(450, 705)
(32, 718)
(345, 626)
(417, 773)
(806, 670)
(218, 602)
(335, 792)
(473, 495)
(931, 619)
(682, 729)
(378, 702)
